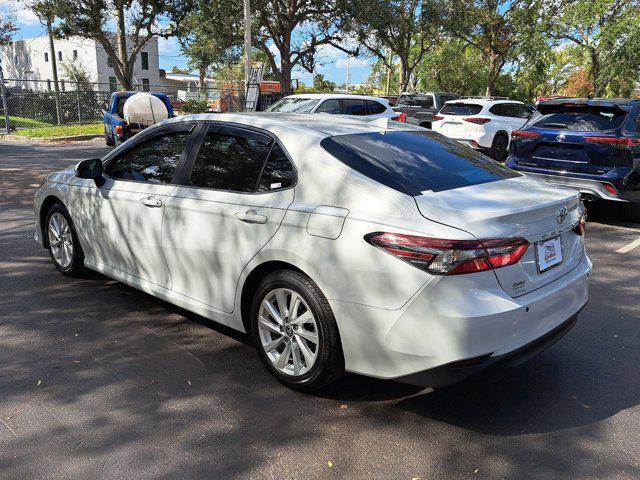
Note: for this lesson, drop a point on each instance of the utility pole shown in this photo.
(348, 75)
(4, 98)
(388, 84)
(54, 71)
(247, 43)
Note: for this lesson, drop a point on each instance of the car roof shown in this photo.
(321, 96)
(593, 102)
(482, 101)
(318, 124)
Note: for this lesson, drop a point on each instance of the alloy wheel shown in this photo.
(60, 240)
(288, 332)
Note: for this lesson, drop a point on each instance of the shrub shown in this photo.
(195, 106)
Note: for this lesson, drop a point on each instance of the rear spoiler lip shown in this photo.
(589, 103)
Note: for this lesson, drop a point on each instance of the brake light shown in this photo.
(450, 257)
(477, 120)
(610, 188)
(619, 142)
(518, 134)
(119, 129)
(402, 118)
(437, 118)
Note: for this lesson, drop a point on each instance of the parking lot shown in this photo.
(99, 380)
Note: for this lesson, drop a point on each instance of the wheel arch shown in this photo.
(505, 134)
(42, 215)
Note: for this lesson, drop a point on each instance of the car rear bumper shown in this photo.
(451, 323)
(583, 185)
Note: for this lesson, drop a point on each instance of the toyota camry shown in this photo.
(338, 244)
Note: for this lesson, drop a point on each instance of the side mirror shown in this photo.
(90, 169)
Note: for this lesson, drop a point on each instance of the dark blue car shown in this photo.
(590, 145)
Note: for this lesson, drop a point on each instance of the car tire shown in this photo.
(108, 140)
(62, 241)
(286, 347)
(632, 212)
(499, 147)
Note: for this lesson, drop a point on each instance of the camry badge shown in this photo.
(562, 215)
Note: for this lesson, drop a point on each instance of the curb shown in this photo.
(72, 138)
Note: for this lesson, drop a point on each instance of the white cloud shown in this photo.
(354, 62)
(24, 17)
(168, 46)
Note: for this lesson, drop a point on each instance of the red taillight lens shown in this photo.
(610, 188)
(402, 118)
(119, 129)
(450, 257)
(437, 118)
(518, 134)
(477, 120)
(615, 141)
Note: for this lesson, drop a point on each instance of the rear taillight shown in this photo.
(402, 118)
(477, 120)
(610, 188)
(518, 134)
(581, 228)
(437, 118)
(619, 142)
(450, 257)
(119, 129)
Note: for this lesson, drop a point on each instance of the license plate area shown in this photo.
(548, 253)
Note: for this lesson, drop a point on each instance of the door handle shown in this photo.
(251, 216)
(151, 202)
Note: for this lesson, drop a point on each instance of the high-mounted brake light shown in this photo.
(477, 120)
(518, 134)
(437, 118)
(402, 118)
(619, 142)
(450, 257)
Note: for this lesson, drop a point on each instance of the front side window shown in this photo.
(293, 105)
(230, 160)
(277, 172)
(329, 106)
(153, 161)
(413, 162)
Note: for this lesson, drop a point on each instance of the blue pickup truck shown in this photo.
(115, 128)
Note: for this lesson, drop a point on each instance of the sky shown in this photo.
(330, 61)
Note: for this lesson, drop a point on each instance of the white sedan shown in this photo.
(377, 248)
(361, 106)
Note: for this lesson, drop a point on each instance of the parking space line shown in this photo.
(627, 248)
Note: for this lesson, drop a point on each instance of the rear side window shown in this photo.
(230, 160)
(415, 162)
(580, 118)
(278, 171)
(461, 109)
(353, 107)
(153, 161)
(375, 108)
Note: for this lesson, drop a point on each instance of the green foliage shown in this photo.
(194, 106)
(322, 85)
(7, 28)
(20, 122)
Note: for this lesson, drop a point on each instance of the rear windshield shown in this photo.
(579, 118)
(415, 162)
(461, 109)
(297, 105)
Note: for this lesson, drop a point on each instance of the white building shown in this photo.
(28, 61)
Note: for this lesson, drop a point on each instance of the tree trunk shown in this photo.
(492, 79)
(121, 48)
(54, 72)
(285, 72)
(403, 80)
(595, 73)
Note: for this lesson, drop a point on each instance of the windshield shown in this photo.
(579, 118)
(414, 162)
(293, 104)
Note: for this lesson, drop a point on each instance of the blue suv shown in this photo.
(590, 145)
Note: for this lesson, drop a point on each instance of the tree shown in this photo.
(406, 28)
(493, 27)
(7, 28)
(604, 34)
(137, 22)
(322, 85)
(296, 28)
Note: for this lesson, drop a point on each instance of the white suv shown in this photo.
(337, 104)
(481, 123)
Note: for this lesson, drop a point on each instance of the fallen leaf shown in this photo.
(39, 382)
(343, 407)
(189, 382)
(476, 470)
(330, 463)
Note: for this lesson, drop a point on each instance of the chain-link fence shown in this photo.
(35, 104)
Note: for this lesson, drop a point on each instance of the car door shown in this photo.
(122, 220)
(231, 201)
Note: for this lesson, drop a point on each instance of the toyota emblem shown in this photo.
(561, 137)
(562, 215)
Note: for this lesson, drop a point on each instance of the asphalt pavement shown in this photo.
(99, 380)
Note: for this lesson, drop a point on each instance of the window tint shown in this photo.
(423, 101)
(293, 104)
(353, 107)
(375, 108)
(153, 161)
(414, 162)
(230, 159)
(500, 110)
(461, 109)
(580, 118)
(278, 171)
(329, 106)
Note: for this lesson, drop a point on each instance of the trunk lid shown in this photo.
(517, 207)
